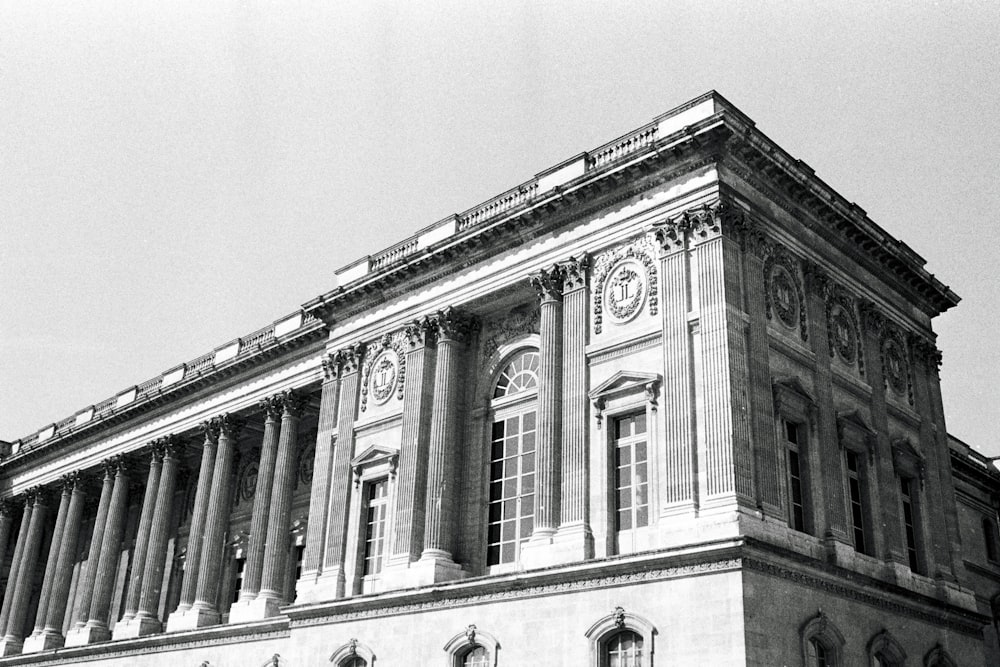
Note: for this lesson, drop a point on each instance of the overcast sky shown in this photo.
(176, 174)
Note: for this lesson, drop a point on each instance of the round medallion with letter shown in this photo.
(383, 377)
(784, 298)
(895, 367)
(845, 338)
(625, 291)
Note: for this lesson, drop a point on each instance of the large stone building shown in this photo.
(673, 401)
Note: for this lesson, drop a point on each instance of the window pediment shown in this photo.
(907, 459)
(793, 400)
(854, 433)
(622, 384)
(373, 457)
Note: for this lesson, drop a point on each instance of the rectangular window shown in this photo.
(631, 473)
(238, 578)
(909, 522)
(378, 497)
(990, 538)
(854, 481)
(793, 442)
(512, 487)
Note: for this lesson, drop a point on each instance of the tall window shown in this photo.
(631, 473)
(796, 498)
(817, 654)
(855, 482)
(624, 650)
(240, 564)
(511, 513)
(909, 521)
(990, 539)
(378, 495)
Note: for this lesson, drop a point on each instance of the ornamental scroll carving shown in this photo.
(520, 321)
(784, 297)
(384, 371)
(624, 279)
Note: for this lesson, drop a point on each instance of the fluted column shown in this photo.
(15, 562)
(89, 576)
(68, 483)
(279, 519)
(453, 330)
(309, 587)
(50, 635)
(13, 638)
(408, 539)
(254, 567)
(549, 284)
(142, 535)
(96, 628)
(192, 560)
(331, 581)
(7, 510)
(575, 537)
(146, 620)
(207, 592)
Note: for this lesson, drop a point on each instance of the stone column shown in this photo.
(436, 563)
(15, 562)
(408, 539)
(678, 369)
(319, 493)
(96, 629)
(68, 484)
(331, 582)
(204, 611)
(13, 638)
(254, 566)
(575, 539)
(536, 552)
(89, 575)
(50, 635)
(141, 550)
(192, 559)
(6, 522)
(279, 519)
(146, 621)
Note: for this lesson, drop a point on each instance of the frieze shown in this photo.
(625, 278)
(384, 371)
(520, 321)
(784, 296)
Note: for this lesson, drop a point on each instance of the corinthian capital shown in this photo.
(575, 272)
(549, 283)
(348, 360)
(454, 325)
(229, 425)
(421, 333)
(293, 403)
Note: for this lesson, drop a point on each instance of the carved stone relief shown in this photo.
(784, 296)
(520, 321)
(384, 370)
(624, 279)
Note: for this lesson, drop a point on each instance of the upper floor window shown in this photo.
(909, 501)
(520, 374)
(631, 472)
(857, 495)
(990, 538)
(511, 509)
(375, 526)
(793, 436)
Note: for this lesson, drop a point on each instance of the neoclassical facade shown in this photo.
(672, 401)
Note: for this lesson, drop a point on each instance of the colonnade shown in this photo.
(143, 594)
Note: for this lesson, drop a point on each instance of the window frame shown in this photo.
(885, 651)
(468, 640)
(794, 405)
(618, 621)
(857, 439)
(615, 445)
(991, 538)
(910, 468)
(820, 629)
(374, 464)
(351, 650)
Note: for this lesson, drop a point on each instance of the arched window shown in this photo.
(476, 657)
(511, 510)
(472, 648)
(990, 538)
(885, 651)
(938, 657)
(353, 654)
(354, 662)
(621, 639)
(822, 643)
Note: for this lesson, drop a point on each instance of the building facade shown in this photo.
(672, 401)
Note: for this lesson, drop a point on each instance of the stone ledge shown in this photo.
(218, 635)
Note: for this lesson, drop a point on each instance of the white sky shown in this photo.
(176, 174)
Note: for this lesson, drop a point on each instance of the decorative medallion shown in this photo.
(625, 291)
(384, 370)
(307, 455)
(246, 485)
(615, 287)
(784, 297)
(843, 335)
(895, 366)
(383, 376)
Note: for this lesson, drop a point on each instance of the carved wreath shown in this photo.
(389, 373)
(784, 296)
(843, 331)
(641, 250)
(626, 291)
(895, 367)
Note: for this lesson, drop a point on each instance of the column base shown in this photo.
(839, 550)
(572, 543)
(137, 626)
(540, 550)
(320, 587)
(191, 619)
(87, 634)
(254, 609)
(430, 569)
(11, 646)
(43, 641)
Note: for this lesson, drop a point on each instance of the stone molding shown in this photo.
(353, 649)
(779, 262)
(394, 344)
(519, 322)
(640, 249)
